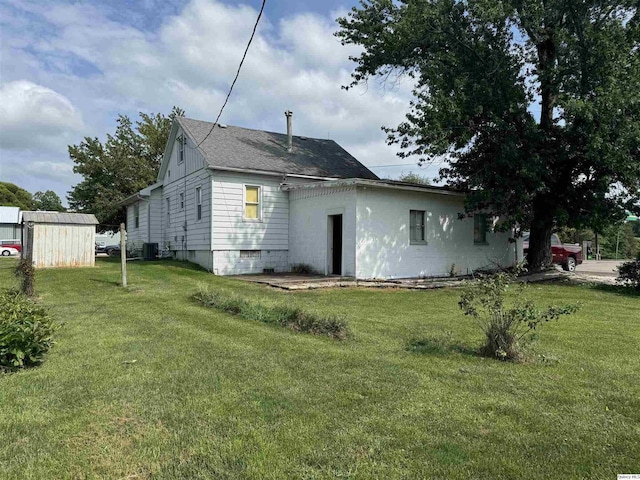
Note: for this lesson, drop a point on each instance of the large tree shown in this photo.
(12, 195)
(536, 103)
(126, 163)
(49, 201)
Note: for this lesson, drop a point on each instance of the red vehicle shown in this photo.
(11, 244)
(565, 254)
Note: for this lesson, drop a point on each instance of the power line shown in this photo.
(415, 164)
(237, 73)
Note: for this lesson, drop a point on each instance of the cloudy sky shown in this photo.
(67, 69)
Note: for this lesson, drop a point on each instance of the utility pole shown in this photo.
(123, 254)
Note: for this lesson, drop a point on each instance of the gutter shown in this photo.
(362, 182)
(132, 199)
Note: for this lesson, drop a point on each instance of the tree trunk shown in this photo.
(539, 255)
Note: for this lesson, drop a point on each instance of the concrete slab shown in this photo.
(293, 281)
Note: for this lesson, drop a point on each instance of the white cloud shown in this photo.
(190, 60)
(33, 116)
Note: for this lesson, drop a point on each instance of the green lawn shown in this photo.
(145, 383)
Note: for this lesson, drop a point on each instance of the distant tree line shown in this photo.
(12, 195)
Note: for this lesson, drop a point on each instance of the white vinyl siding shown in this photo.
(155, 216)
(192, 161)
(137, 224)
(197, 234)
(230, 231)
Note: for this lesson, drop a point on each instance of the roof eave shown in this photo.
(361, 182)
(270, 173)
(136, 197)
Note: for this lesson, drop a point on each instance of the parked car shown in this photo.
(12, 244)
(112, 250)
(7, 251)
(565, 254)
(101, 247)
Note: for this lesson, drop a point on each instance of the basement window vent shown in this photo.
(268, 270)
(249, 253)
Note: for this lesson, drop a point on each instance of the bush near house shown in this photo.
(26, 331)
(284, 315)
(506, 319)
(629, 274)
(302, 268)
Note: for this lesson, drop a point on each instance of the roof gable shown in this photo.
(243, 148)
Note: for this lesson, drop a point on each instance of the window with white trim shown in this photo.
(417, 227)
(198, 203)
(252, 205)
(181, 201)
(480, 228)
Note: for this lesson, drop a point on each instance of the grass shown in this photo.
(283, 315)
(146, 383)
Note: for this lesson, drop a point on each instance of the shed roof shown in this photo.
(244, 148)
(60, 217)
(9, 215)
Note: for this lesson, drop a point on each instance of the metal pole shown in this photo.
(123, 254)
(618, 241)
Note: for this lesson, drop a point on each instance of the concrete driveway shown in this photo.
(606, 268)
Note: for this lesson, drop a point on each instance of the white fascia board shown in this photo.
(361, 182)
(268, 173)
(166, 157)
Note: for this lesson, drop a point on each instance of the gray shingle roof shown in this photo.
(58, 217)
(236, 147)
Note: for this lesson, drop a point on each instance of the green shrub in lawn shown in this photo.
(506, 316)
(629, 274)
(26, 331)
(283, 315)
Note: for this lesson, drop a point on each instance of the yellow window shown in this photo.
(252, 202)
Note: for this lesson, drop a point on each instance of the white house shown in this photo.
(236, 201)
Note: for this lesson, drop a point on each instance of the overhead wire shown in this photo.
(255, 27)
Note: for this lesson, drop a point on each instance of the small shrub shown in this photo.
(286, 316)
(26, 331)
(506, 326)
(302, 268)
(26, 275)
(629, 274)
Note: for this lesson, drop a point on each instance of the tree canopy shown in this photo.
(48, 201)
(13, 196)
(126, 163)
(536, 103)
(411, 177)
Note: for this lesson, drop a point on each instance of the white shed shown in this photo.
(60, 239)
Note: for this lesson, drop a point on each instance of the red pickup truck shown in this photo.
(567, 255)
